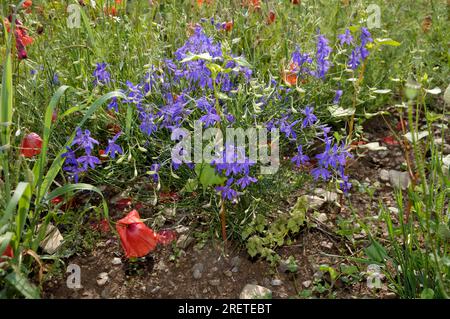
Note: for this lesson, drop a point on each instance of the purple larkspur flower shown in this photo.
(101, 75)
(210, 118)
(88, 161)
(320, 172)
(226, 191)
(113, 104)
(55, 79)
(337, 96)
(322, 54)
(84, 140)
(112, 147)
(354, 60)
(346, 37)
(310, 118)
(365, 37)
(300, 158)
(245, 181)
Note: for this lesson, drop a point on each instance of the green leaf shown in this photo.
(12, 204)
(242, 62)
(376, 252)
(21, 283)
(191, 185)
(444, 232)
(427, 293)
(24, 206)
(194, 57)
(387, 41)
(208, 176)
(6, 110)
(337, 111)
(41, 162)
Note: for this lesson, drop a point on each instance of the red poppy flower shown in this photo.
(136, 238)
(31, 145)
(229, 26)
(56, 200)
(27, 3)
(271, 17)
(201, 2)
(253, 3)
(22, 37)
(8, 253)
(166, 236)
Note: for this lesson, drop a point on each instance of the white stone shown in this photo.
(102, 278)
(255, 292)
(52, 240)
(399, 179)
(116, 261)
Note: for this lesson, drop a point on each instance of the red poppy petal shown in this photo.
(31, 145)
(137, 239)
(131, 218)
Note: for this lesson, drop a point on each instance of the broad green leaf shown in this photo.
(337, 111)
(21, 283)
(427, 293)
(13, 202)
(191, 185)
(41, 162)
(242, 62)
(387, 41)
(376, 252)
(194, 57)
(6, 110)
(21, 217)
(208, 176)
(444, 232)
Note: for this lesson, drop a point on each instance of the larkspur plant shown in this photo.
(206, 77)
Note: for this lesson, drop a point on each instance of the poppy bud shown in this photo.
(31, 145)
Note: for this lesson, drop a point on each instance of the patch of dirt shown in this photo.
(206, 271)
